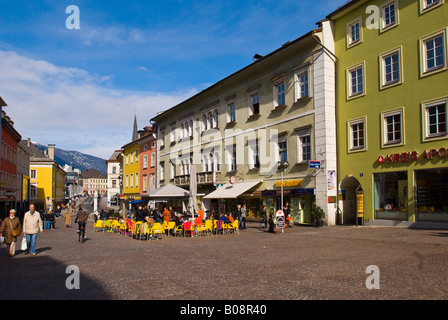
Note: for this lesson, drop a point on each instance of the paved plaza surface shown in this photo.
(303, 263)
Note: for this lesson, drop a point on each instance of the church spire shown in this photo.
(135, 132)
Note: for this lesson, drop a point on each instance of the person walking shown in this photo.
(68, 219)
(243, 217)
(12, 228)
(81, 219)
(264, 216)
(32, 224)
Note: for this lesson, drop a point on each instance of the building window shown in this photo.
(131, 184)
(33, 174)
(173, 135)
(355, 76)
(254, 160)
(162, 170)
(435, 119)
(127, 181)
(304, 145)
(136, 155)
(391, 195)
(162, 139)
(136, 179)
(204, 122)
(426, 5)
(210, 121)
(254, 104)
(279, 97)
(182, 131)
(390, 15)
(153, 159)
(282, 149)
(173, 170)
(217, 162)
(216, 119)
(145, 161)
(231, 115)
(357, 134)
(302, 87)
(354, 32)
(145, 183)
(393, 128)
(433, 53)
(391, 68)
(231, 158)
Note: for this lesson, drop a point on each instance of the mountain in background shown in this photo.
(76, 159)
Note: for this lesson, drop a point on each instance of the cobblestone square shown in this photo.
(302, 264)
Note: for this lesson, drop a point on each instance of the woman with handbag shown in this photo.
(11, 227)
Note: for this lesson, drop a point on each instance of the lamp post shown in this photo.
(282, 165)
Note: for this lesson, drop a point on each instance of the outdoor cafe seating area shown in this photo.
(143, 231)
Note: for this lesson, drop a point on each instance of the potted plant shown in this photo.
(317, 214)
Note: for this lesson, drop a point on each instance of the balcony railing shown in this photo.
(203, 178)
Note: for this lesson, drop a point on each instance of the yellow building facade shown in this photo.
(131, 173)
(47, 180)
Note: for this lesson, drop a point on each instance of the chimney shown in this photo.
(51, 151)
(28, 142)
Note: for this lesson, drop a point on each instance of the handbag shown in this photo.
(15, 232)
(24, 245)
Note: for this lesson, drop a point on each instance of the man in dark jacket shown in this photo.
(81, 219)
(140, 214)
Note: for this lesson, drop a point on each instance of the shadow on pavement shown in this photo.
(39, 277)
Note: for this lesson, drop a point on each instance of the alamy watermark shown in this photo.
(73, 280)
(73, 21)
(373, 280)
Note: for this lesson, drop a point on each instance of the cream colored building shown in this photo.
(279, 108)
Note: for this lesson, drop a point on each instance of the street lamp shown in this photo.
(282, 165)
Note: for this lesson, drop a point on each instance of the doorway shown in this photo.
(349, 204)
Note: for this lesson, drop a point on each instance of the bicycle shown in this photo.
(81, 231)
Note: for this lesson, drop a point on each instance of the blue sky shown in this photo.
(80, 88)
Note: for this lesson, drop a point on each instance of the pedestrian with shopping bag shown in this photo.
(32, 224)
(12, 228)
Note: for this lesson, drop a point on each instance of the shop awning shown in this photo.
(169, 191)
(231, 191)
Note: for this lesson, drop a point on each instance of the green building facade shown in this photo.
(391, 98)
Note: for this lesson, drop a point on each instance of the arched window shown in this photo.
(182, 131)
(186, 132)
(204, 122)
(210, 120)
(217, 160)
(216, 118)
(191, 128)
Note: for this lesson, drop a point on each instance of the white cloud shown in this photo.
(72, 107)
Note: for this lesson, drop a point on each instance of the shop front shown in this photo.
(295, 195)
(413, 187)
(431, 192)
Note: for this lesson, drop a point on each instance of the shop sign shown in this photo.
(280, 220)
(289, 183)
(413, 156)
(232, 180)
(332, 199)
(302, 192)
(314, 164)
(360, 203)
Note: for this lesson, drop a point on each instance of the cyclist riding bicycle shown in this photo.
(81, 219)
